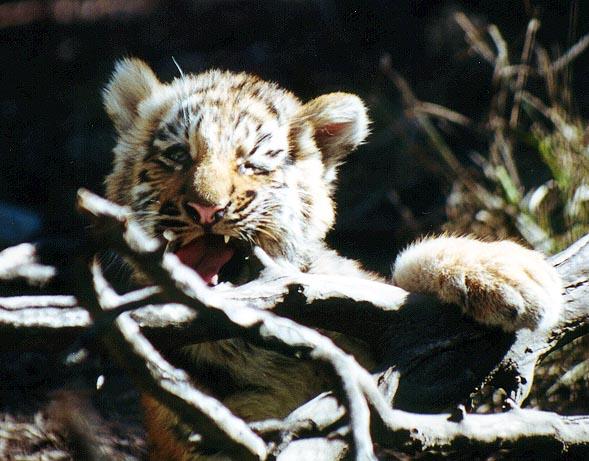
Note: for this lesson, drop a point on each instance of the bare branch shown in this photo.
(172, 386)
(572, 53)
(443, 112)
(474, 38)
(522, 75)
(19, 262)
(385, 317)
(412, 432)
(257, 326)
(264, 328)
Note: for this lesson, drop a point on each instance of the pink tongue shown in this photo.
(206, 255)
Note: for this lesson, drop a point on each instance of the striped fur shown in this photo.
(233, 140)
(224, 138)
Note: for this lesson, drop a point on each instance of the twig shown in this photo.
(443, 112)
(434, 138)
(172, 386)
(28, 302)
(522, 76)
(545, 70)
(500, 77)
(575, 374)
(474, 38)
(572, 54)
(19, 262)
(411, 102)
(419, 432)
(503, 429)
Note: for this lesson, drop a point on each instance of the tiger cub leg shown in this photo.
(497, 283)
(166, 435)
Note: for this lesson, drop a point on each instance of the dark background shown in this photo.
(57, 55)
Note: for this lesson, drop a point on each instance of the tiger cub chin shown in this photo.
(216, 163)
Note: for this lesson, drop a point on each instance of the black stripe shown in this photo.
(141, 197)
(244, 206)
(253, 151)
(263, 138)
(152, 151)
(196, 123)
(172, 128)
(274, 153)
(204, 89)
(239, 119)
(163, 164)
(169, 209)
(259, 141)
(271, 108)
(161, 135)
(143, 176)
(240, 85)
(171, 223)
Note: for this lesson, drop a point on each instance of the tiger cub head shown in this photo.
(219, 162)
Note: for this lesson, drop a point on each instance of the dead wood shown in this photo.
(432, 358)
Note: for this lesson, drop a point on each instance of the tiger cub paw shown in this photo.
(497, 283)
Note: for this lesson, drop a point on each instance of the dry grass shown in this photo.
(497, 197)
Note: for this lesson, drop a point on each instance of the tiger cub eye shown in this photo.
(178, 154)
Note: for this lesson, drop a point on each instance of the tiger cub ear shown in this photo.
(132, 82)
(339, 124)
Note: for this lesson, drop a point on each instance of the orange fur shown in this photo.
(237, 143)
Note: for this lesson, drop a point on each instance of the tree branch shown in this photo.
(172, 387)
(422, 369)
(449, 431)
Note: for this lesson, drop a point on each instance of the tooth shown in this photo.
(169, 235)
(226, 238)
(215, 279)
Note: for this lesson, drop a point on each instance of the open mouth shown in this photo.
(217, 260)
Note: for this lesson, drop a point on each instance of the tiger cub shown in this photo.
(219, 162)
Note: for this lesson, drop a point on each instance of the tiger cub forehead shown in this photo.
(226, 115)
(232, 107)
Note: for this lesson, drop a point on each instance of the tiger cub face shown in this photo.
(218, 162)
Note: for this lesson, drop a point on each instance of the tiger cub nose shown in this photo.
(205, 214)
